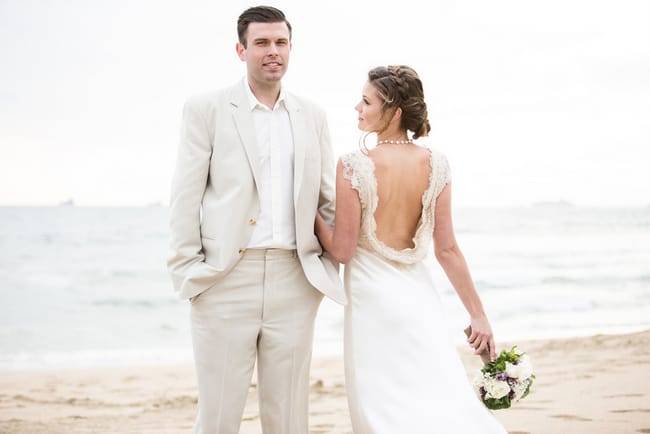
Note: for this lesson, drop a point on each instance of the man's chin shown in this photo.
(274, 77)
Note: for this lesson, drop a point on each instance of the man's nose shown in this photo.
(273, 49)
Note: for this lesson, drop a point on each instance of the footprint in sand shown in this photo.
(632, 410)
(178, 402)
(571, 417)
(624, 395)
(322, 429)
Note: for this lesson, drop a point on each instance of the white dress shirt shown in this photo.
(275, 226)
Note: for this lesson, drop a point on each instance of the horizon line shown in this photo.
(559, 204)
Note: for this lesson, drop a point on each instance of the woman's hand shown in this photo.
(481, 337)
(320, 227)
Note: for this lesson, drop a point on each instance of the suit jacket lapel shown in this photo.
(296, 117)
(243, 119)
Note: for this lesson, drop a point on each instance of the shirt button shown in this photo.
(252, 221)
(241, 252)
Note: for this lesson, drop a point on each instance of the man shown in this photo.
(255, 164)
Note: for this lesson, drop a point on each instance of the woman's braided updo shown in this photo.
(399, 86)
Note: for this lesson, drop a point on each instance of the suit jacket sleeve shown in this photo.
(326, 200)
(188, 186)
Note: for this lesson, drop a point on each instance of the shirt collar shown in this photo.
(254, 103)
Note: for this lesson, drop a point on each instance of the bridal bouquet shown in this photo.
(505, 380)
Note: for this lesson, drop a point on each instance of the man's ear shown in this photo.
(241, 51)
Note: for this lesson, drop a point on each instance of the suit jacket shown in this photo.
(214, 199)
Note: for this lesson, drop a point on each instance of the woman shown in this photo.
(403, 374)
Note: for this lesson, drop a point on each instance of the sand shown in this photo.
(593, 385)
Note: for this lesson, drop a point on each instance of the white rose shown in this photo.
(497, 389)
(525, 367)
(513, 371)
(479, 381)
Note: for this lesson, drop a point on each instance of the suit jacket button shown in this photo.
(241, 251)
(252, 221)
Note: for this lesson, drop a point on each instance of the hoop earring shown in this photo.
(362, 143)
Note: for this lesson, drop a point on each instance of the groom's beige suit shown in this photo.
(213, 211)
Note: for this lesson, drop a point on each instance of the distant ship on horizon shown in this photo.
(554, 204)
(69, 202)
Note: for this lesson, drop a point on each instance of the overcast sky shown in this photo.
(531, 100)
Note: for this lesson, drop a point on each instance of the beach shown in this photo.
(94, 340)
(591, 385)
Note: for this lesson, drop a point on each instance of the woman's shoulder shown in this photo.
(440, 171)
(355, 165)
(436, 154)
(354, 155)
(355, 159)
(439, 161)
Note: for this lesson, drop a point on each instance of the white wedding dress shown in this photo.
(403, 374)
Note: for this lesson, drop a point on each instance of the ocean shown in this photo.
(88, 286)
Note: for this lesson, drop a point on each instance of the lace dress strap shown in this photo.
(440, 172)
(439, 177)
(359, 170)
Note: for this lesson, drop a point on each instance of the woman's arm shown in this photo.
(453, 263)
(341, 241)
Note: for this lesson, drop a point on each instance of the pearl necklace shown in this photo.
(395, 142)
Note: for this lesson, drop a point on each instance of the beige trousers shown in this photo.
(265, 309)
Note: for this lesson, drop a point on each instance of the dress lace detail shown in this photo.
(359, 169)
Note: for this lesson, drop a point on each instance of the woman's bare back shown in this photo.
(402, 173)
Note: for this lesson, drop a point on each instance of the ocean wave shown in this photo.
(594, 281)
(94, 358)
(134, 303)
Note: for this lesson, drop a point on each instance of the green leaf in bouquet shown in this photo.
(497, 404)
(499, 364)
(530, 383)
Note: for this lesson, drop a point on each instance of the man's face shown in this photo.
(266, 53)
